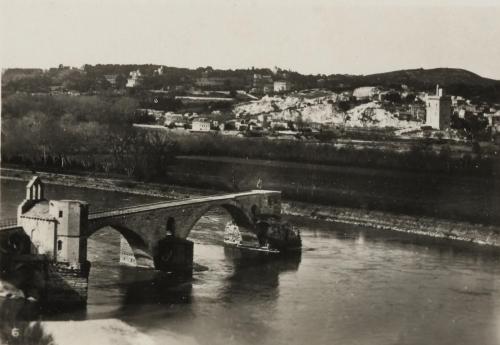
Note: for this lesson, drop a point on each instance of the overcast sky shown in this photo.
(323, 36)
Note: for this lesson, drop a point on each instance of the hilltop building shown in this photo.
(159, 71)
(262, 83)
(438, 110)
(365, 92)
(135, 79)
(282, 86)
(210, 82)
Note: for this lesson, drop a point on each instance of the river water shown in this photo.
(350, 285)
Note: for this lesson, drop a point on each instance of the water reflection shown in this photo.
(162, 288)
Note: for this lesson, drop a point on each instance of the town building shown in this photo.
(494, 120)
(213, 82)
(417, 111)
(135, 79)
(210, 82)
(457, 101)
(159, 71)
(175, 120)
(279, 125)
(365, 92)
(200, 125)
(438, 110)
(262, 83)
(282, 86)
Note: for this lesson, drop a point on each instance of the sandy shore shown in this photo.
(485, 235)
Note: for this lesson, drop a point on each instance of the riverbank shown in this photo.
(109, 184)
(485, 235)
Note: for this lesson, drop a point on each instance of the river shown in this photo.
(350, 285)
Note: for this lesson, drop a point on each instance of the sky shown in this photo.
(308, 36)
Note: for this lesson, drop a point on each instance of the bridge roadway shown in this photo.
(11, 223)
(144, 225)
(175, 203)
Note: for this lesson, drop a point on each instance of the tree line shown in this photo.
(81, 133)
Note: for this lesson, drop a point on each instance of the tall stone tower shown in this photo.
(57, 231)
(438, 110)
(57, 227)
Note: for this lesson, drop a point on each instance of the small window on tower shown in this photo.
(59, 245)
(60, 214)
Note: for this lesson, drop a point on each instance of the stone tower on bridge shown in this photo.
(56, 228)
(58, 245)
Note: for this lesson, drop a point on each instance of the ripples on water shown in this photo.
(350, 286)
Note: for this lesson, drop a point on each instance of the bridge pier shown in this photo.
(66, 285)
(174, 255)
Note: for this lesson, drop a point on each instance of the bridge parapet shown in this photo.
(266, 202)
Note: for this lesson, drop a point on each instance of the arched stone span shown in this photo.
(240, 216)
(139, 247)
(145, 225)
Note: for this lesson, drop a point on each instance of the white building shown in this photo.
(200, 125)
(160, 70)
(438, 110)
(365, 92)
(494, 120)
(135, 79)
(282, 86)
(177, 120)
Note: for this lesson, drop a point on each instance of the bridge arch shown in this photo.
(239, 215)
(138, 246)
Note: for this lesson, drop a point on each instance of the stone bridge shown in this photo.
(59, 229)
(143, 226)
(51, 235)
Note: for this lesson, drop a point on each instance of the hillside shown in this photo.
(321, 109)
(444, 76)
(455, 81)
(92, 78)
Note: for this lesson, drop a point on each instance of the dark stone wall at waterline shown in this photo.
(66, 285)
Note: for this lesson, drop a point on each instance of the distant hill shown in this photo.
(445, 76)
(453, 80)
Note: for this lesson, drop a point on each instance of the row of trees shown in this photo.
(89, 133)
(422, 156)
